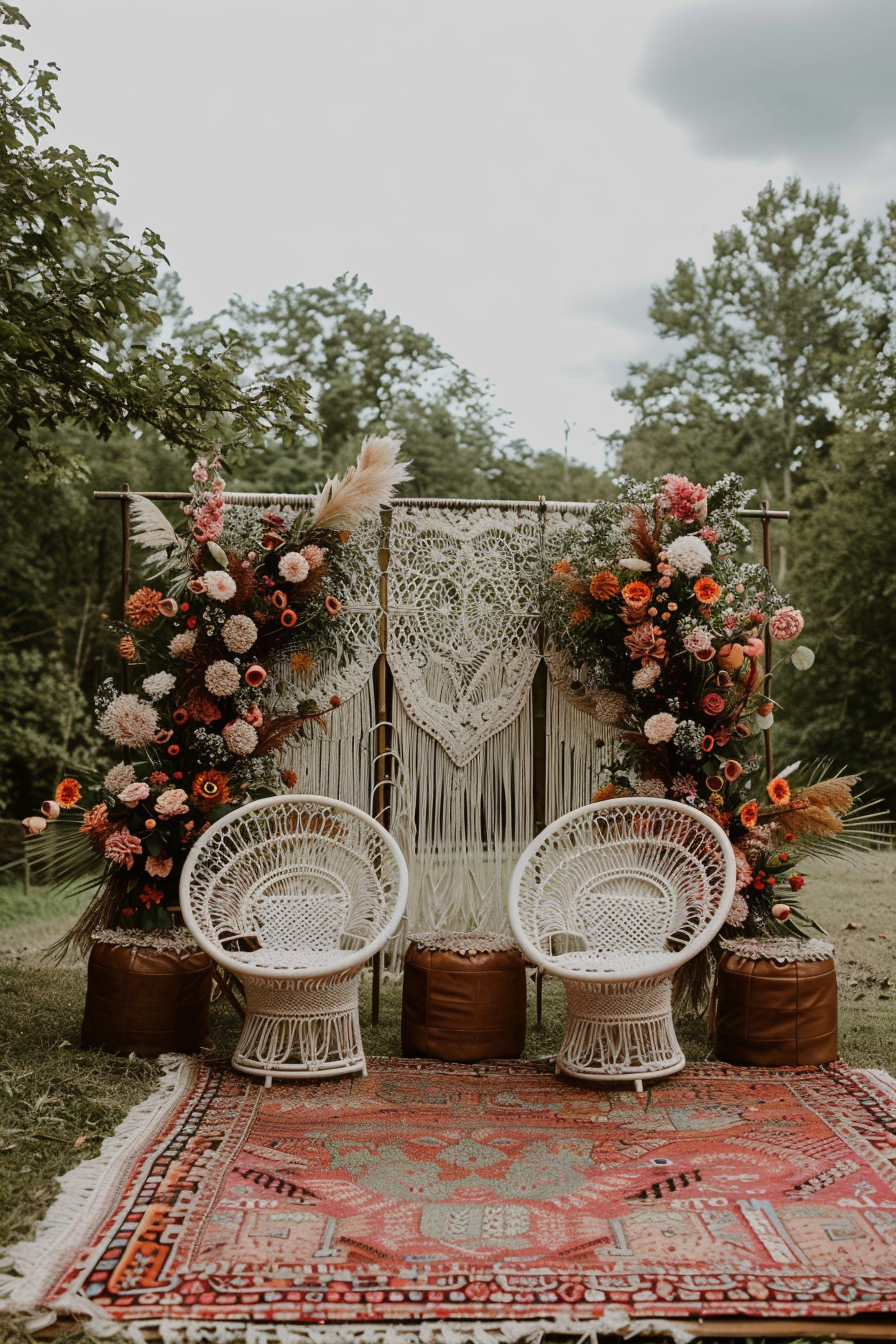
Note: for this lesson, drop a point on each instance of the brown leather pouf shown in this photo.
(464, 998)
(776, 1002)
(146, 1001)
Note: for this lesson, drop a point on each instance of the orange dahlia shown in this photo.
(209, 789)
(707, 590)
(636, 593)
(561, 567)
(749, 814)
(779, 791)
(97, 826)
(301, 662)
(603, 586)
(68, 793)
(579, 614)
(142, 607)
(290, 778)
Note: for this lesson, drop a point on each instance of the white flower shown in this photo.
(239, 633)
(645, 676)
(698, 640)
(293, 567)
(632, 562)
(119, 777)
(689, 555)
(181, 646)
(129, 721)
(660, 728)
(219, 585)
(240, 737)
(159, 684)
(222, 678)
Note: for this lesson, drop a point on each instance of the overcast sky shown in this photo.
(511, 176)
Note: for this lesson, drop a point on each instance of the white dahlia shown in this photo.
(689, 555)
(240, 737)
(219, 585)
(129, 721)
(293, 567)
(222, 678)
(159, 684)
(239, 633)
(660, 728)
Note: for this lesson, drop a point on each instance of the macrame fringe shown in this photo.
(338, 763)
(615, 1321)
(462, 828)
(579, 752)
(88, 1194)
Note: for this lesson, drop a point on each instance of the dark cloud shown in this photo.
(801, 79)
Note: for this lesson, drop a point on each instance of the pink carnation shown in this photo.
(121, 847)
(171, 803)
(786, 623)
(683, 500)
(158, 866)
(709, 534)
(660, 728)
(314, 555)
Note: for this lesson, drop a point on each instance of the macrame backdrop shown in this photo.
(459, 630)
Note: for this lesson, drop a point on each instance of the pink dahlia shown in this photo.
(786, 623)
(314, 555)
(293, 567)
(121, 847)
(219, 585)
(158, 866)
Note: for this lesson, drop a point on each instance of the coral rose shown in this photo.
(603, 586)
(713, 703)
(646, 643)
(707, 591)
(636, 593)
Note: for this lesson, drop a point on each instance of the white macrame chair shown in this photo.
(612, 899)
(293, 895)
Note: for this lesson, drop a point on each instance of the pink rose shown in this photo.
(134, 794)
(713, 703)
(786, 623)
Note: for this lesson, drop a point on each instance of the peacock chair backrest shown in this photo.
(622, 889)
(293, 884)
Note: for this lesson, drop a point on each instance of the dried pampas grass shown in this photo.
(835, 793)
(812, 820)
(365, 489)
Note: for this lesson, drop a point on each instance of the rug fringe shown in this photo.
(66, 1227)
(615, 1321)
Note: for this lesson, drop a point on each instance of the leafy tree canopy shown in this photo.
(79, 311)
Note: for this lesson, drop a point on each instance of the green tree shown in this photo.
(79, 311)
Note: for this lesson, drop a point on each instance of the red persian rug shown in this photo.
(479, 1193)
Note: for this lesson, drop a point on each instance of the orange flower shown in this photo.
(707, 590)
(636, 593)
(579, 614)
(301, 662)
(605, 792)
(749, 814)
(779, 791)
(127, 648)
(290, 778)
(561, 567)
(209, 790)
(97, 826)
(333, 605)
(68, 793)
(604, 586)
(142, 607)
(151, 896)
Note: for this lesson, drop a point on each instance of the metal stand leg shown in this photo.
(375, 992)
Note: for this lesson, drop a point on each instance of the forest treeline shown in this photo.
(781, 367)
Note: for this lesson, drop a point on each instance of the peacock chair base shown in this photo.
(619, 1032)
(301, 1029)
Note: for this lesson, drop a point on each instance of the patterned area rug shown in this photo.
(461, 1193)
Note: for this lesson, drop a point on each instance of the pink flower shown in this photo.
(293, 567)
(713, 703)
(158, 778)
(134, 793)
(744, 874)
(121, 847)
(219, 585)
(665, 582)
(683, 500)
(754, 648)
(709, 534)
(171, 803)
(786, 623)
(660, 728)
(158, 866)
(646, 643)
(698, 641)
(314, 555)
(200, 471)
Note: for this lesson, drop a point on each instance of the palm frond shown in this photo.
(149, 526)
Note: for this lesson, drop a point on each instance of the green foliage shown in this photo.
(79, 306)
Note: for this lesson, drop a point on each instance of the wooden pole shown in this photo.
(125, 570)
(767, 639)
(382, 800)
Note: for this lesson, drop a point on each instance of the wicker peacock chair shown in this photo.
(612, 899)
(293, 895)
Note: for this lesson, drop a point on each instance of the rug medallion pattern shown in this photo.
(502, 1192)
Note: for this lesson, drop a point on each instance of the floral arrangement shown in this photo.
(667, 633)
(244, 593)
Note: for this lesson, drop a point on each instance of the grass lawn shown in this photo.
(58, 1102)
